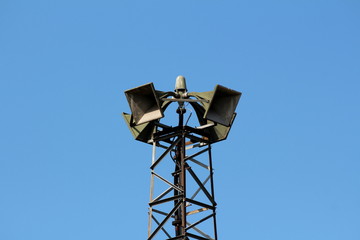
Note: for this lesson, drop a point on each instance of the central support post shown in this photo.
(180, 178)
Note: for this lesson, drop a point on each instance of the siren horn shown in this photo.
(144, 103)
(220, 104)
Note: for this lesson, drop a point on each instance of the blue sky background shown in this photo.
(69, 168)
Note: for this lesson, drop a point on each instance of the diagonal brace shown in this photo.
(200, 221)
(201, 186)
(165, 153)
(166, 181)
(197, 154)
(163, 229)
(165, 220)
(163, 194)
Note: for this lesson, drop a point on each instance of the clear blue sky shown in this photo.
(69, 168)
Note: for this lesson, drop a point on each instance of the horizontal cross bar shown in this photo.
(177, 197)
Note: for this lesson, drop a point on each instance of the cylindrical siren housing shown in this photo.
(180, 84)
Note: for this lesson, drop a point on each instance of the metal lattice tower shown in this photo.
(182, 202)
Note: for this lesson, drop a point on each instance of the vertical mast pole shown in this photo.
(180, 178)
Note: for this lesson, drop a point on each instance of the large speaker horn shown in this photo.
(219, 104)
(222, 105)
(215, 133)
(142, 132)
(144, 104)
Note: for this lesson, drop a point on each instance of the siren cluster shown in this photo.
(215, 109)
